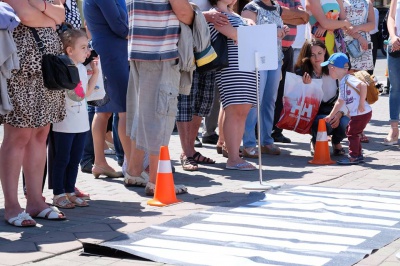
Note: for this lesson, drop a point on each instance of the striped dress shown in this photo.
(235, 87)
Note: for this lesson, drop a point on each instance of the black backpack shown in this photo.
(384, 28)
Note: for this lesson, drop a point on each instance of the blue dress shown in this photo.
(107, 22)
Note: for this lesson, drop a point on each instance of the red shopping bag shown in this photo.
(300, 103)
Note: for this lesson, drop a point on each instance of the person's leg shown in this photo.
(123, 137)
(268, 102)
(394, 98)
(235, 118)
(354, 130)
(339, 133)
(62, 146)
(211, 121)
(249, 138)
(99, 126)
(33, 165)
(76, 151)
(87, 159)
(119, 151)
(287, 66)
(11, 157)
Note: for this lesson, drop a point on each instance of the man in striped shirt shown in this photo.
(153, 83)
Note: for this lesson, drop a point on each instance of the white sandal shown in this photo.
(150, 188)
(20, 218)
(76, 200)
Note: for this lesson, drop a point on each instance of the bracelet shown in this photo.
(45, 6)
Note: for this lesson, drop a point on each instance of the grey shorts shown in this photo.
(152, 101)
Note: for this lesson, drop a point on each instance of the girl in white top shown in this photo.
(69, 134)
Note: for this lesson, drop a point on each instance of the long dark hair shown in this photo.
(213, 2)
(303, 63)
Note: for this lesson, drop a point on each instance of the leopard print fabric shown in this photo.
(34, 105)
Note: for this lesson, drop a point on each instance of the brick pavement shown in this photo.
(116, 210)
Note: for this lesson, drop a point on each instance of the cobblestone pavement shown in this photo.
(115, 210)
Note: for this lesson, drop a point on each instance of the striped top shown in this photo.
(153, 30)
(288, 40)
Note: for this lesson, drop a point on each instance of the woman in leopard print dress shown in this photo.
(35, 107)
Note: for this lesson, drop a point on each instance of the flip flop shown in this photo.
(20, 218)
(241, 167)
(51, 213)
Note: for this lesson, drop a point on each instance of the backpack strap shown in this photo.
(39, 41)
(354, 88)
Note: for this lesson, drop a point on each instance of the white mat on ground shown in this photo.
(303, 225)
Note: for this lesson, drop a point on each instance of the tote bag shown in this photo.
(300, 103)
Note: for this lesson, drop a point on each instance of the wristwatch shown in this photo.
(341, 112)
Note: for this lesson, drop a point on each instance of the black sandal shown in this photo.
(338, 152)
(205, 160)
(189, 164)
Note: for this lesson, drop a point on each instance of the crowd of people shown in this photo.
(51, 132)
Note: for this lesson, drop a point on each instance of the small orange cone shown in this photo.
(321, 153)
(164, 193)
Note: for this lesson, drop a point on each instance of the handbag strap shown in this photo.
(39, 41)
(351, 86)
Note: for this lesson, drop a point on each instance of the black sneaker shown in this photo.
(197, 143)
(213, 139)
(281, 138)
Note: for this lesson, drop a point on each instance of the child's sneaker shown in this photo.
(350, 161)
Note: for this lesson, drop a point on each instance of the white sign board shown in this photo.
(260, 39)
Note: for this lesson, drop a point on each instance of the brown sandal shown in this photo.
(205, 160)
(189, 163)
(62, 201)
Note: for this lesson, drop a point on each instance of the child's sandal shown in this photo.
(61, 201)
(76, 200)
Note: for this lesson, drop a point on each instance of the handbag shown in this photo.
(220, 45)
(59, 71)
(353, 48)
(394, 54)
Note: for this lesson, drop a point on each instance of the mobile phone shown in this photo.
(314, 30)
(369, 46)
(92, 55)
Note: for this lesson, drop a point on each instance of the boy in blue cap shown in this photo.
(352, 92)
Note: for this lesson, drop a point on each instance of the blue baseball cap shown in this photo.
(339, 60)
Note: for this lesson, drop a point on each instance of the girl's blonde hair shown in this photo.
(69, 37)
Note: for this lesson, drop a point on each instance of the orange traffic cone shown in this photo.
(164, 193)
(321, 154)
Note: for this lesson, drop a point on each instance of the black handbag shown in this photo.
(394, 54)
(220, 45)
(59, 71)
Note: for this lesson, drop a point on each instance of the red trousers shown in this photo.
(354, 130)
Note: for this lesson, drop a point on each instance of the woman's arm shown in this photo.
(370, 25)
(391, 23)
(31, 16)
(54, 11)
(315, 8)
(115, 21)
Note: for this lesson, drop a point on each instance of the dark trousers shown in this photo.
(374, 40)
(355, 128)
(68, 149)
(287, 66)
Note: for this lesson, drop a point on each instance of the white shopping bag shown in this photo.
(300, 103)
(98, 92)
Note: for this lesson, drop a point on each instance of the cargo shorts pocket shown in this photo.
(167, 102)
